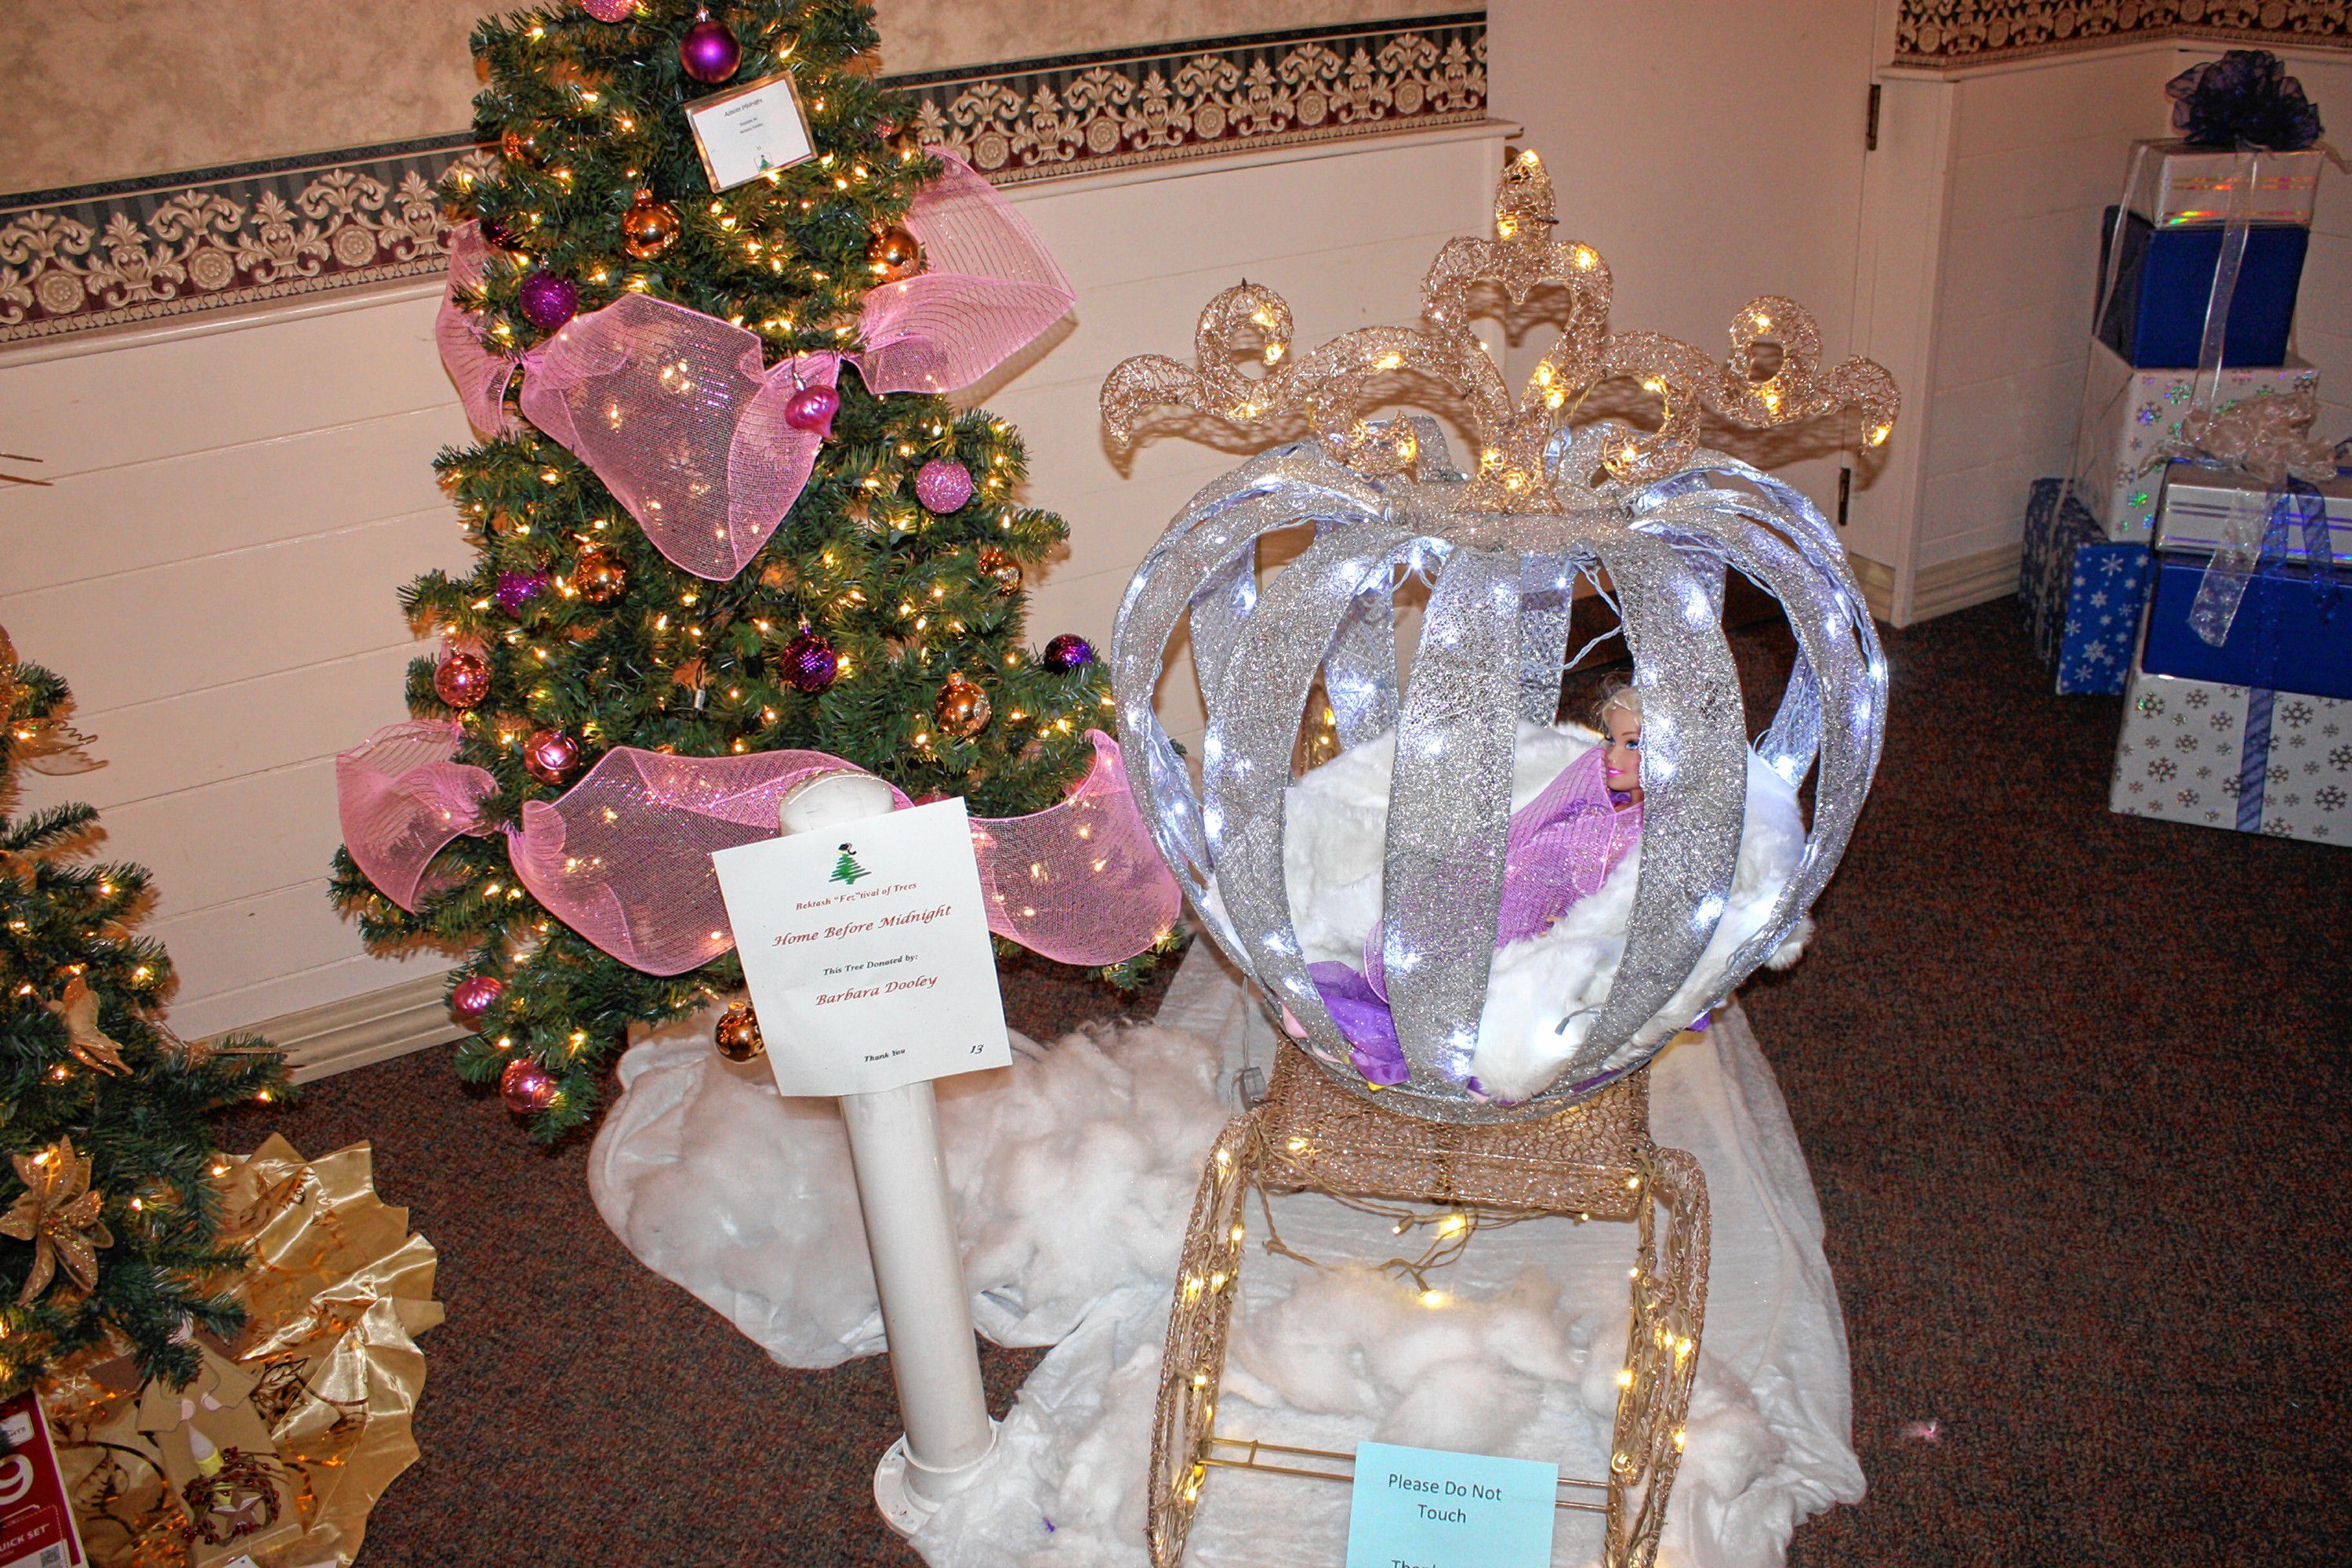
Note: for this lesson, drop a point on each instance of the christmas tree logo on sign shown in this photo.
(847, 870)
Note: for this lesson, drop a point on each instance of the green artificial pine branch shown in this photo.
(67, 941)
(588, 116)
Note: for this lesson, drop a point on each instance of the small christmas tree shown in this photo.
(882, 620)
(110, 1225)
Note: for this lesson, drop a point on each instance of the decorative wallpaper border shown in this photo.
(94, 256)
(1955, 33)
(1217, 96)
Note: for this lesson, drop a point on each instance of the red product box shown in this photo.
(37, 1527)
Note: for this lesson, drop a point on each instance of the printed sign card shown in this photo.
(1422, 1508)
(744, 133)
(866, 949)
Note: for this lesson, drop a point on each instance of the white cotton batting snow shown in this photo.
(1335, 823)
(1074, 1172)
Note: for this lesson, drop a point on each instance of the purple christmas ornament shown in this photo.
(496, 233)
(809, 663)
(812, 408)
(1068, 652)
(708, 52)
(610, 10)
(943, 485)
(517, 589)
(548, 301)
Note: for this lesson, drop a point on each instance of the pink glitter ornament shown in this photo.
(474, 996)
(526, 1087)
(610, 10)
(943, 485)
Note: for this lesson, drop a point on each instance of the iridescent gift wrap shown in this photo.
(1501, 547)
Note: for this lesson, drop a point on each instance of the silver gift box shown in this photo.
(2194, 512)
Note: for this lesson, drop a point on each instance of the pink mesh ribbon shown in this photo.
(675, 413)
(987, 287)
(401, 798)
(624, 856)
(481, 374)
(1080, 881)
(678, 414)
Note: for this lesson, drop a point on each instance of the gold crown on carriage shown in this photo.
(1250, 326)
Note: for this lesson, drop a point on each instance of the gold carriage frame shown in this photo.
(1593, 1161)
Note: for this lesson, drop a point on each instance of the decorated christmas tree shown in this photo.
(109, 1224)
(632, 596)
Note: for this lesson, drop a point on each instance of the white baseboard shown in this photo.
(358, 1031)
(1950, 585)
(1878, 581)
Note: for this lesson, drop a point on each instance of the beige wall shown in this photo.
(1708, 164)
(235, 507)
(104, 89)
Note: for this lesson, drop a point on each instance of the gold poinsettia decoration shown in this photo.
(60, 1215)
(91, 1045)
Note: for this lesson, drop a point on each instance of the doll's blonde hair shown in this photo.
(1617, 694)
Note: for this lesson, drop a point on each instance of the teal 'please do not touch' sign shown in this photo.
(1422, 1508)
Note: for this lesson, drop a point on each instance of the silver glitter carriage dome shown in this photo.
(1503, 547)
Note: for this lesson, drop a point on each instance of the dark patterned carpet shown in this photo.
(2072, 1087)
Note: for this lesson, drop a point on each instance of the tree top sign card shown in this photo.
(866, 949)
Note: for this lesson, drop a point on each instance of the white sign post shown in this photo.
(864, 945)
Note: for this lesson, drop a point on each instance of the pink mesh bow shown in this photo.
(624, 856)
(675, 411)
(401, 798)
(987, 287)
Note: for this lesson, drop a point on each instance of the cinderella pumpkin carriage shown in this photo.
(1475, 926)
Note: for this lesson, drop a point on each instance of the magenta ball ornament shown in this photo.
(550, 755)
(810, 663)
(1068, 652)
(610, 10)
(943, 485)
(708, 52)
(517, 589)
(812, 408)
(526, 1087)
(548, 301)
(474, 996)
(462, 680)
(498, 234)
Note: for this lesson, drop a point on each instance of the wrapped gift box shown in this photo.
(2179, 185)
(2155, 316)
(2174, 217)
(2229, 756)
(2194, 512)
(2135, 414)
(2082, 593)
(2285, 635)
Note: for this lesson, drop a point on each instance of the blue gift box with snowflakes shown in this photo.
(2278, 763)
(2082, 593)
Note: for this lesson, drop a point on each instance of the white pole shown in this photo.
(902, 1188)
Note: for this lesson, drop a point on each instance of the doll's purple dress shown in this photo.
(1562, 847)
